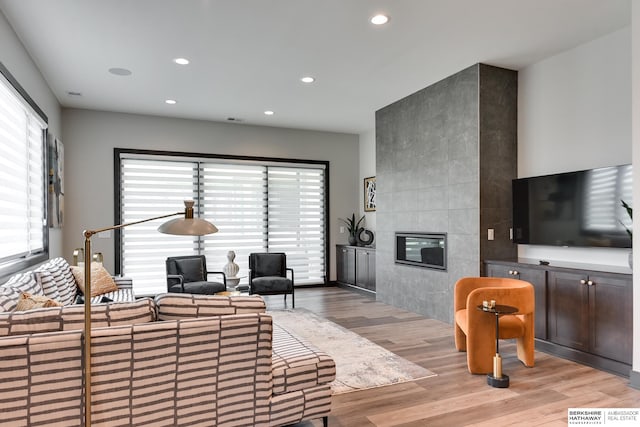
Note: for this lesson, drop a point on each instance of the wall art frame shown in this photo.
(370, 194)
(56, 181)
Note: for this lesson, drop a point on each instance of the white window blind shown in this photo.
(256, 208)
(296, 220)
(22, 189)
(148, 189)
(234, 198)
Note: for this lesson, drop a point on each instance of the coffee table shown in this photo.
(228, 293)
(498, 379)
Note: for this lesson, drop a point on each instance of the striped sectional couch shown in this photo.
(174, 360)
(54, 279)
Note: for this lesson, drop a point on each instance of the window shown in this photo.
(257, 205)
(23, 229)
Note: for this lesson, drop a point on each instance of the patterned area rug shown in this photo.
(360, 363)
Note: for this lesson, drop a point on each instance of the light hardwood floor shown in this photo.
(538, 396)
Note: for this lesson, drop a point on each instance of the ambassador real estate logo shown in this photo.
(603, 416)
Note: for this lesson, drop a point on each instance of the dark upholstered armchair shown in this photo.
(268, 275)
(188, 274)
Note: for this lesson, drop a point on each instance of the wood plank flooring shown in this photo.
(538, 396)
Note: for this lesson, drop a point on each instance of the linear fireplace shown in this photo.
(427, 250)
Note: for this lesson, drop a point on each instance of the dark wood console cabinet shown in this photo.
(346, 264)
(538, 278)
(356, 266)
(583, 313)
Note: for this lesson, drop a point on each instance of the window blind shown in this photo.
(296, 220)
(148, 189)
(234, 198)
(22, 178)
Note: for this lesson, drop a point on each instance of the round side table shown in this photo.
(233, 282)
(498, 379)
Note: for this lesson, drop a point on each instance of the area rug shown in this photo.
(360, 363)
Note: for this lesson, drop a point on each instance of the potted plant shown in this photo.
(353, 228)
(629, 210)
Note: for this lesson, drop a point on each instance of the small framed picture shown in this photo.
(56, 181)
(370, 194)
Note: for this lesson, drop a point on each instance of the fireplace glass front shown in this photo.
(427, 250)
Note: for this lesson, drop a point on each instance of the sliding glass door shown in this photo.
(258, 206)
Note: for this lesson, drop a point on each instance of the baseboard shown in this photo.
(609, 365)
(356, 289)
(317, 285)
(634, 379)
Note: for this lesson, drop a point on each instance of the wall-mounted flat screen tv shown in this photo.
(581, 209)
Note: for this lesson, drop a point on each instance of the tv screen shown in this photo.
(580, 208)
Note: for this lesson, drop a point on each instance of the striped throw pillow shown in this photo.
(58, 271)
(8, 298)
(18, 283)
(25, 282)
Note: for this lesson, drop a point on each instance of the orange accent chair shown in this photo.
(475, 330)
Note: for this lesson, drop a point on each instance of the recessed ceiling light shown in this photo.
(120, 71)
(171, 101)
(269, 113)
(181, 61)
(380, 19)
(308, 79)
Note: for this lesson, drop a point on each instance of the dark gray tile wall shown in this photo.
(430, 177)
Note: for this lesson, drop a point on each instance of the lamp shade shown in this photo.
(188, 227)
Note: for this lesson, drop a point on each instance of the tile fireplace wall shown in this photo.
(445, 158)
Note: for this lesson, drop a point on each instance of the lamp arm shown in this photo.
(90, 233)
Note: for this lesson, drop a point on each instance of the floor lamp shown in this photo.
(185, 226)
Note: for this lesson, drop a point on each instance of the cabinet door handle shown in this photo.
(510, 271)
(583, 282)
(590, 283)
(515, 272)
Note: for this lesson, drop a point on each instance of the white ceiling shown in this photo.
(247, 56)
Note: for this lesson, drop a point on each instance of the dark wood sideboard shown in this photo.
(356, 267)
(583, 312)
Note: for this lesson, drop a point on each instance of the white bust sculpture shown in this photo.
(231, 268)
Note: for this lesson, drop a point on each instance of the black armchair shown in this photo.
(268, 275)
(188, 274)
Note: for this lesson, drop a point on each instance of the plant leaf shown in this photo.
(629, 210)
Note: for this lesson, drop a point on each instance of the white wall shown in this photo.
(91, 136)
(574, 113)
(16, 59)
(635, 82)
(367, 154)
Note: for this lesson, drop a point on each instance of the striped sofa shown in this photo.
(55, 280)
(174, 360)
